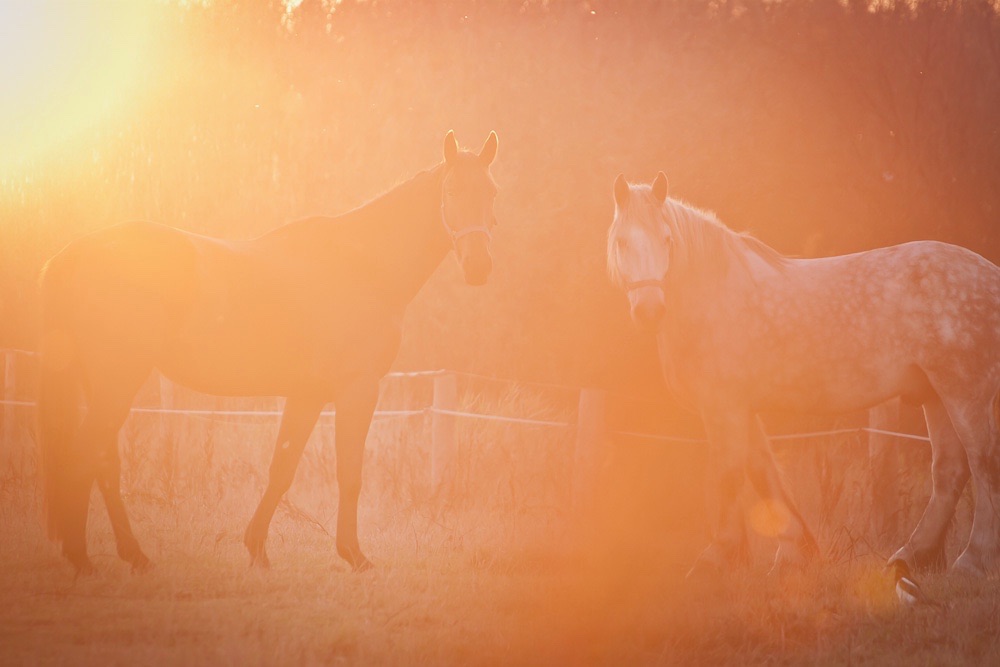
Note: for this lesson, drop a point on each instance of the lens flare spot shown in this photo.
(63, 67)
(769, 517)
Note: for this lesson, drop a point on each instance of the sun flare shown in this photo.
(64, 66)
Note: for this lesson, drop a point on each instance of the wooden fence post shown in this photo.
(443, 432)
(884, 470)
(591, 439)
(167, 441)
(9, 414)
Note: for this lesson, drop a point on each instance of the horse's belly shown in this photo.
(219, 351)
(263, 359)
(838, 390)
(231, 371)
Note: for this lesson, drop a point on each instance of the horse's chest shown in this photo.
(681, 365)
(367, 351)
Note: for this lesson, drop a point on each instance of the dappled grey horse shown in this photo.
(310, 311)
(742, 329)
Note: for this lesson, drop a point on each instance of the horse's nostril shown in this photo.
(649, 312)
(477, 268)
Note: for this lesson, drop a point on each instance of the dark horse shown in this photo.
(310, 311)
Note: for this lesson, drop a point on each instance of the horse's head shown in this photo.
(467, 194)
(639, 244)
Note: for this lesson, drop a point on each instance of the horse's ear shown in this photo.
(489, 151)
(450, 147)
(621, 190)
(660, 187)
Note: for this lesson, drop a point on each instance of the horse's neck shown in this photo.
(404, 236)
(729, 265)
(701, 293)
(390, 246)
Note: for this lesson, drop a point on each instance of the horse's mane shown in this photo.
(699, 238)
(384, 211)
(702, 237)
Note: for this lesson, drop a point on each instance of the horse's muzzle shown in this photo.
(476, 266)
(648, 308)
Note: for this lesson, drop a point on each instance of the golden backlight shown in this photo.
(541, 500)
(64, 66)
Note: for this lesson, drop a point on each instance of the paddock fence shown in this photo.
(588, 430)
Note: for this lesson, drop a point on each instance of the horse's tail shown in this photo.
(59, 390)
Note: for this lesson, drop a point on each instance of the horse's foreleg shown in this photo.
(950, 474)
(73, 523)
(355, 407)
(297, 423)
(728, 437)
(110, 388)
(109, 482)
(982, 554)
(776, 514)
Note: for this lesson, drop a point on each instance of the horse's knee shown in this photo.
(987, 463)
(283, 467)
(950, 473)
(349, 483)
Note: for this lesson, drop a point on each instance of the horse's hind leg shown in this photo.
(109, 482)
(95, 443)
(76, 501)
(950, 474)
(976, 425)
(110, 400)
(776, 514)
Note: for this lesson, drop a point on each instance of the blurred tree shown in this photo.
(821, 126)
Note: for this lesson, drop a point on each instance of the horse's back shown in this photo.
(121, 291)
(845, 332)
(888, 261)
(956, 264)
(920, 276)
(944, 284)
(956, 294)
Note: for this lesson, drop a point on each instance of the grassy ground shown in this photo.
(506, 574)
(465, 590)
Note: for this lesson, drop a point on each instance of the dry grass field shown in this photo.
(501, 571)
(821, 126)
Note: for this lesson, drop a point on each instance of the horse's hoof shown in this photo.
(84, 569)
(260, 560)
(141, 564)
(904, 555)
(362, 565)
(355, 558)
(81, 563)
(258, 551)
